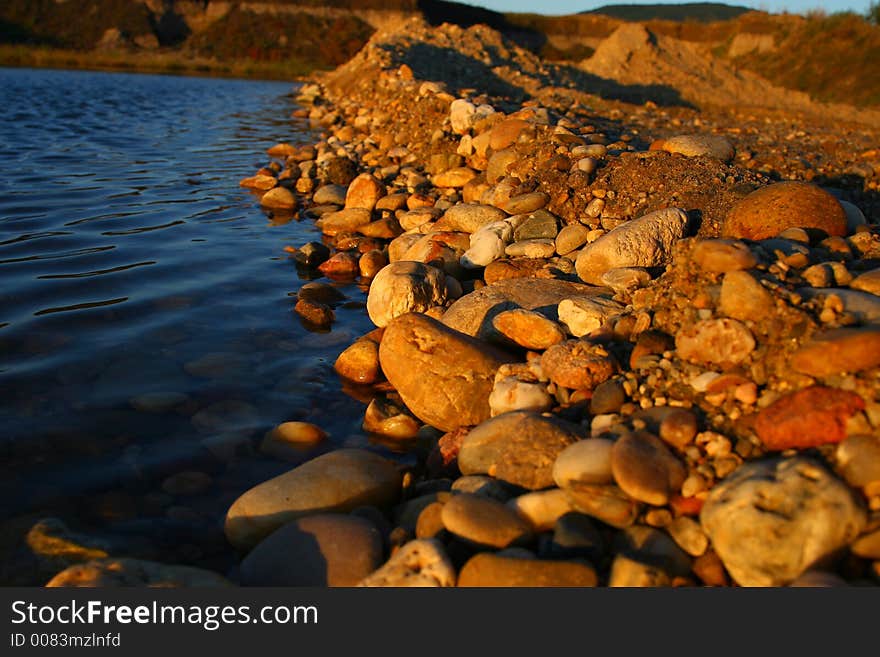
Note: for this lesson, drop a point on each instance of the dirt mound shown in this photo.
(633, 55)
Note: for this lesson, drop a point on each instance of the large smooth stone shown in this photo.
(419, 563)
(490, 570)
(113, 573)
(839, 351)
(484, 521)
(402, 287)
(320, 550)
(643, 242)
(473, 313)
(519, 447)
(771, 520)
(335, 482)
(770, 210)
(444, 377)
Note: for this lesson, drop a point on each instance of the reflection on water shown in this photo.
(145, 310)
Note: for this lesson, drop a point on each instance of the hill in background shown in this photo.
(703, 12)
(832, 58)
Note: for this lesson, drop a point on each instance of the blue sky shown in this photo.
(560, 7)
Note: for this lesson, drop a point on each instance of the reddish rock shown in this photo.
(578, 364)
(813, 416)
(341, 265)
(770, 210)
(317, 314)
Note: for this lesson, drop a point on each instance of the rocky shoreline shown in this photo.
(631, 345)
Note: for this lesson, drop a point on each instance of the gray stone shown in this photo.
(540, 224)
(519, 447)
(643, 242)
(771, 520)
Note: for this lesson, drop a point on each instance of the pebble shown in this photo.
(487, 245)
(384, 417)
(430, 521)
(645, 469)
(768, 211)
(570, 238)
(364, 192)
(578, 364)
(839, 351)
(525, 203)
(325, 549)
(484, 521)
(538, 225)
(771, 520)
(496, 168)
(723, 255)
(402, 287)
(360, 362)
(528, 329)
(532, 248)
(469, 217)
(858, 459)
(576, 534)
(422, 357)
(689, 536)
(371, 263)
(630, 573)
(867, 282)
(586, 461)
(260, 182)
(542, 508)
(282, 149)
(862, 306)
(419, 563)
(813, 416)
(114, 573)
(519, 448)
(624, 280)
(506, 132)
(699, 145)
(723, 342)
(643, 242)
(312, 254)
(340, 265)
(320, 293)
(279, 198)
(583, 315)
(744, 298)
(489, 570)
(511, 394)
(678, 428)
(456, 177)
(607, 397)
(329, 194)
(338, 481)
(288, 440)
(604, 502)
(316, 314)
(344, 221)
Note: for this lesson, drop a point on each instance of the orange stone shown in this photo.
(807, 418)
(770, 210)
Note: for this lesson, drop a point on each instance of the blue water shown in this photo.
(128, 253)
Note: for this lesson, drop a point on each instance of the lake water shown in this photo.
(146, 324)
